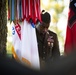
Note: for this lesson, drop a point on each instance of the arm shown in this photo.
(55, 49)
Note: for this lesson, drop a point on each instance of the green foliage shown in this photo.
(9, 39)
(9, 47)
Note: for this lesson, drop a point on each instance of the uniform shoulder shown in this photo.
(52, 32)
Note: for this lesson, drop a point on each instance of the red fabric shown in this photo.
(8, 13)
(8, 10)
(27, 9)
(23, 9)
(18, 30)
(37, 11)
(70, 41)
(35, 8)
(31, 10)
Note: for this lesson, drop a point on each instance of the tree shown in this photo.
(3, 27)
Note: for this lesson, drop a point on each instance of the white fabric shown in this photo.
(29, 45)
(26, 47)
(16, 42)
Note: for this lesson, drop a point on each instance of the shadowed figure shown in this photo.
(65, 65)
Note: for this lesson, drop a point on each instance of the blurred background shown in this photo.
(58, 10)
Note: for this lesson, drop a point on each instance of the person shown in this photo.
(48, 44)
(63, 66)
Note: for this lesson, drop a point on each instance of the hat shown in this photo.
(45, 17)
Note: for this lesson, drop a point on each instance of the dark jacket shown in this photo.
(47, 52)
